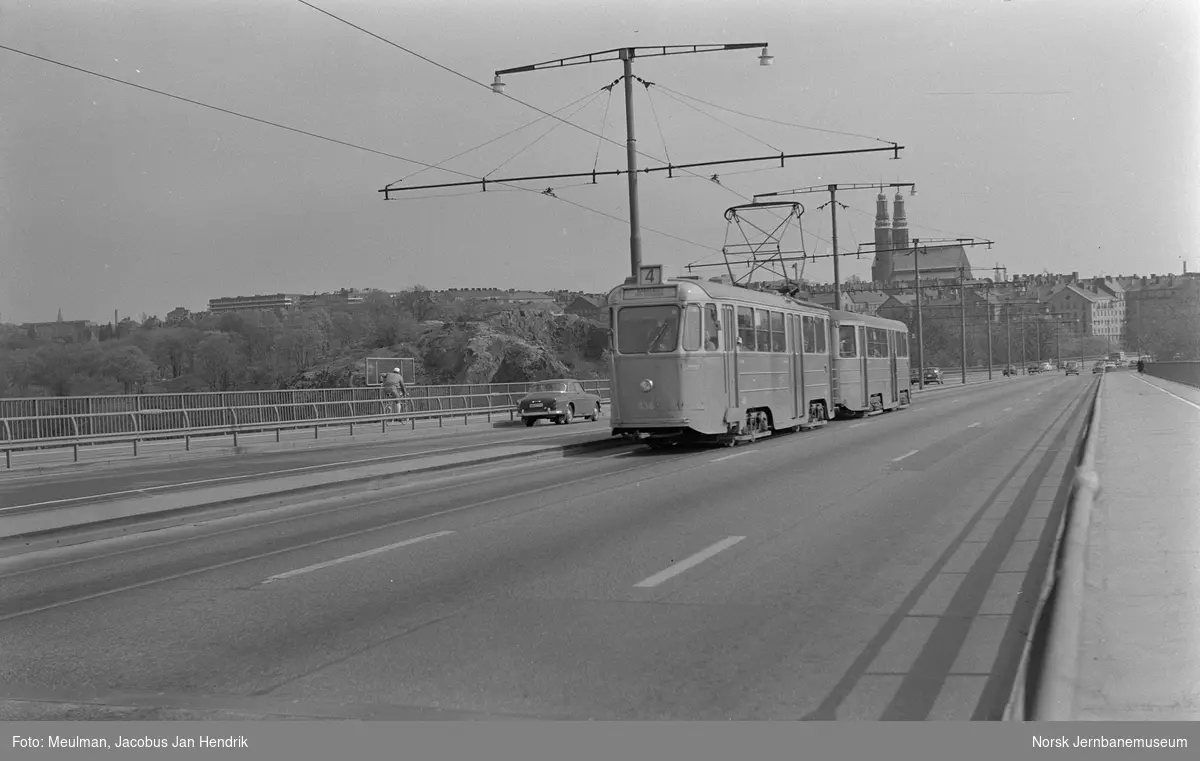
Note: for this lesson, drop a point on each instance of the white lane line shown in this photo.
(356, 556)
(857, 425)
(683, 565)
(901, 457)
(1177, 396)
(1008, 409)
(972, 425)
(731, 456)
(954, 401)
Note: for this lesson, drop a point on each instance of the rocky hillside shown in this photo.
(505, 348)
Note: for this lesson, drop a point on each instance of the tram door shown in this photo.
(729, 337)
(892, 350)
(796, 345)
(862, 350)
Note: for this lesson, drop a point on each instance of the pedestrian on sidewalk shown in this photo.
(393, 386)
(1141, 366)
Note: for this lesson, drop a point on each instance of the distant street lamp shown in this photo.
(626, 56)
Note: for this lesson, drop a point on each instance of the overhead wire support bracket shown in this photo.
(643, 52)
(617, 172)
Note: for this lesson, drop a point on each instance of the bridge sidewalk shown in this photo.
(1139, 648)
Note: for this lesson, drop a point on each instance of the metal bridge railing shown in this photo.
(79, 419)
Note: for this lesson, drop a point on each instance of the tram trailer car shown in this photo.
(871, 364)
(705, 361)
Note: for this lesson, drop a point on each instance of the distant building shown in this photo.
(177, 315)
(67, 331)
(497, 296)
(591, 307)
(253, 303)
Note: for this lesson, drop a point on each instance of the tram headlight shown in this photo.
(647, 384)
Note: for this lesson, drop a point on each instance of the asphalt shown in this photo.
(34, 487)
(44, 476)
(885, 568)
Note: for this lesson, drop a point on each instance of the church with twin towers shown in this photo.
(894, 254)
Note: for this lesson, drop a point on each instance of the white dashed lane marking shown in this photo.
(356, 556)
(901, 457)
(730, 456)
(694, 560)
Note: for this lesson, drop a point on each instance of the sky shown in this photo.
(1063, 130)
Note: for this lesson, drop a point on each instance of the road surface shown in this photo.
(877, 569)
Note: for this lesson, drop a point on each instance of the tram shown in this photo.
(709, 362)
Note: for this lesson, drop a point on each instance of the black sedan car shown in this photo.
(560, 400)
(933, 375)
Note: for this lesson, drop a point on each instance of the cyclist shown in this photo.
(393, 386)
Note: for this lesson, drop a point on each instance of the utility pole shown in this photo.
(635, 225)
(920, 326)
(1058, 342)
(989, 331)
(1024, 348)
(837, 277)
(962, 304)
(1008, 319)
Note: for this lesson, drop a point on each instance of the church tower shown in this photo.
(881, 270)
(900, 224)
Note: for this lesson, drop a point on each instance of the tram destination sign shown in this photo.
(653, 292)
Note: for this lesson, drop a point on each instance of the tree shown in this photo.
(221, 361)
(418, 301)
(129, 366)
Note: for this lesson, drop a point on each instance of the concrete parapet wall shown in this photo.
(1186, 372)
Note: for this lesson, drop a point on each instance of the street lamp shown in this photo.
(626, 56)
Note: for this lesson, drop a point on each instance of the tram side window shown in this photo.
(901, 344)
(746, 328)
(876, 343)
(822, 331)
(691, 328)
(648, 329)
(778, 337)
(847, 345)
(762, 330)
(810, 335)
(712, 328)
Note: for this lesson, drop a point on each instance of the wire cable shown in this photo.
(777, 121)
(484, 144)
(710, 116)
(539, 139)
(224, 110)
(466, 77)
(316, 136)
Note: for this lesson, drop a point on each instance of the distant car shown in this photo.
(933, 375)
(1047, 367)
(1099, 367)
(1033, 369)
(914, 376)
(1072, 369)
(1010, 370)
(560, 400)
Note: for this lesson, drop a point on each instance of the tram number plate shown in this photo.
(660, 292)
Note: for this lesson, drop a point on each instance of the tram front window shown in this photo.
(648, 329)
